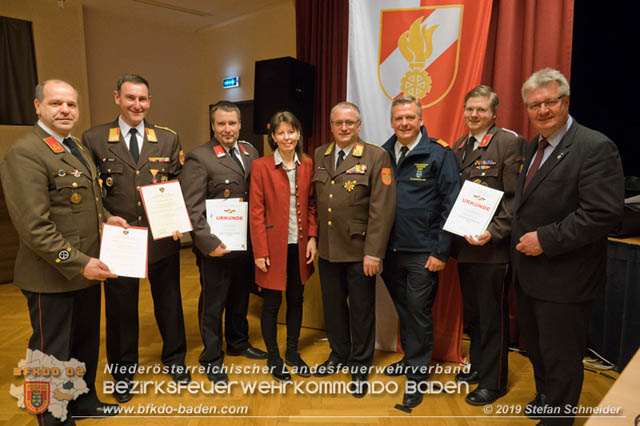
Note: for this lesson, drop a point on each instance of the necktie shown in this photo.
(133, 145)
(542, 144)
(73, 147)
(403, 154)
(468, 147)
(232, 153)
(340, 158)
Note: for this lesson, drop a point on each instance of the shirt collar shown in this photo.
(57, 136)
(398, 146)
(555, 138)
(346, 150)
(278, 158)
(479, 136)
(227, 150)
(125, 128)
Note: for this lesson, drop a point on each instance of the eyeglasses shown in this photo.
(349, 123)
(550, 103)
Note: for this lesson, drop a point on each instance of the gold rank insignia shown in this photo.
(76, 198)
(329, 149)
(350, 185)
(151, 135)
(114, 134)
(358, 149)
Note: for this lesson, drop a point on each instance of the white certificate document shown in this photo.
(124, 251)
(165, 208)
(227, 218)
(473, 210)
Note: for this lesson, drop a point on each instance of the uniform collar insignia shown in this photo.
(219, 150)
(114, 134)
(329, 149)
(151, 135)
(53, 144)
(358, 149)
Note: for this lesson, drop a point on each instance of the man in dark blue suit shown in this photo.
(569, 196)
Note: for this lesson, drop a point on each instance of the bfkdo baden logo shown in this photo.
(425, 43)
(36, 396)
(49, 384)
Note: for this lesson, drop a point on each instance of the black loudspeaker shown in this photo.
(283, 84)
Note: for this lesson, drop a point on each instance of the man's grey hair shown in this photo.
(485, 92)
(225, 106)
(39, 92)
(543, 77)
(345, 105)
(406, 100)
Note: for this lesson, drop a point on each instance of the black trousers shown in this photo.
(413, 290)
(348, 298)
(271, 306)
(121, 308)
(67, 325)
(555, 335)
(484, 289)
(225, 285)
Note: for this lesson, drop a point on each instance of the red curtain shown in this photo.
(322, 35)
(524, 36)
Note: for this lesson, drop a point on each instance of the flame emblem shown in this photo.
(479, 197)
(416, 46)
(229, 211)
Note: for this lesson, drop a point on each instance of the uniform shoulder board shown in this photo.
(75, 139)
(373, 144)
(510, 131)
(165, 128)
(441, 143)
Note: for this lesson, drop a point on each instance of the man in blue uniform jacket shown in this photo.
(427, 186)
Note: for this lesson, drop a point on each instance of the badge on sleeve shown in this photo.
(181, 157)
(385, 174)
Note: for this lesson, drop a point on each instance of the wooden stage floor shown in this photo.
(314, 407)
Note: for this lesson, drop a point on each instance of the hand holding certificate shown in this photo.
(227, 218)
(124, 251)
(473, 210)
(165, 208)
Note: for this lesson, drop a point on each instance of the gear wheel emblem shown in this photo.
(416, 83)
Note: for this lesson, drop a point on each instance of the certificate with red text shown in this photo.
(124, 251)
(473, 210)
(227, 218)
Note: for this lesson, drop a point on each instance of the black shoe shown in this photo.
(180, 374)
(359, 385)
(100, 409)
(412, 399)
(250, 352)
(535, 408)
(327, 368)
(122, 392)
(297, 364)
(218, 377)
(396, 369)
(278, 370)
(472, 377)
(483, 396)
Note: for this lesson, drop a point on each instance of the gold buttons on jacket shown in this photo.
(329, 223)
(330, 195)
(140, 218)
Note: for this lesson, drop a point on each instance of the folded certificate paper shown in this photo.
(165, 209)
(227, 218)
(474, 208)
(124, 251)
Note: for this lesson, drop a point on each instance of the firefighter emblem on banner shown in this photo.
(419, 52)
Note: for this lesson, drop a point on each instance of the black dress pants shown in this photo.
(121, 308)
(225, 284)
(484, 289)
(271, 306)
(413, 290)
(348, 298)
(67, 325)
(555, 335)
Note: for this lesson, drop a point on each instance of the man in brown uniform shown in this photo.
(356, 199)
(220, 168)
(490, 156)
(131, 152)
(53, 196)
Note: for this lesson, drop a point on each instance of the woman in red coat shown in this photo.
(283, 233)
